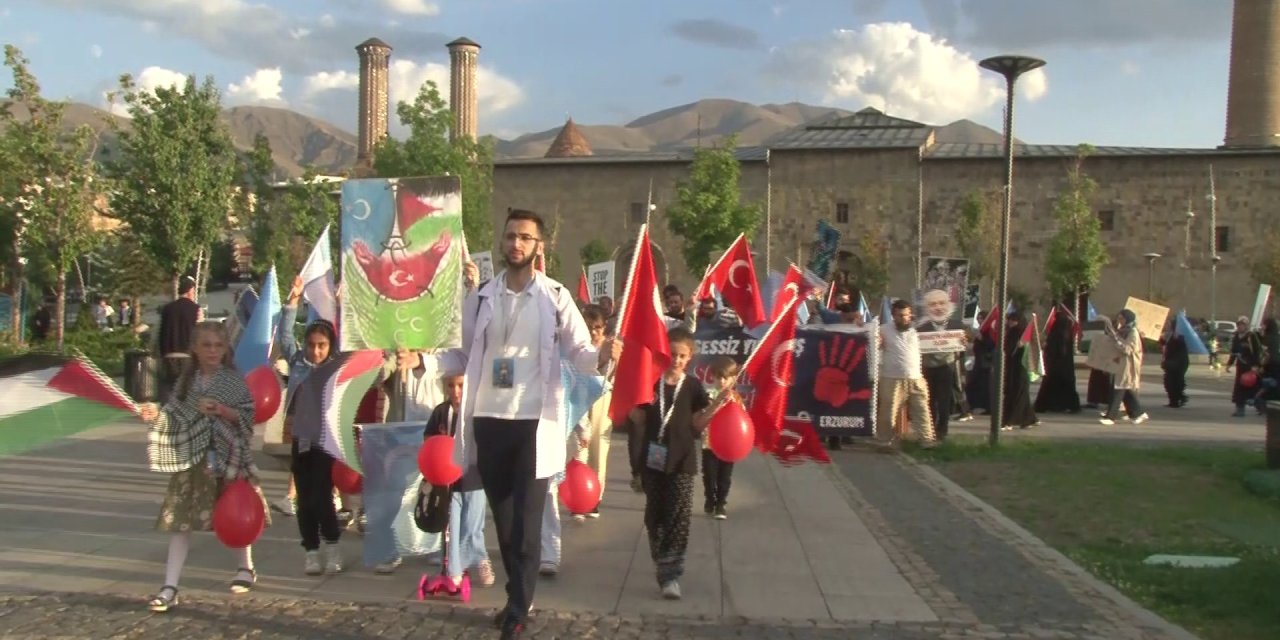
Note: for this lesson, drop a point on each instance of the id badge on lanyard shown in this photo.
(656, 458)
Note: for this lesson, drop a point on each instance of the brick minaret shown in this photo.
(1253, 92)
(462, 86)
(375, 96)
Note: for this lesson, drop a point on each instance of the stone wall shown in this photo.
(1147, 196)
(593, 200)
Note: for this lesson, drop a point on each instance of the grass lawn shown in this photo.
(1110, 506)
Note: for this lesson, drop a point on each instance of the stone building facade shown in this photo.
(873, 170)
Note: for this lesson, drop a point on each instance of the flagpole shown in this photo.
(715, 265)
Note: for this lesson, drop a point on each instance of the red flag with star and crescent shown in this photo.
(734, 276)
(646, 353)
(769, 370)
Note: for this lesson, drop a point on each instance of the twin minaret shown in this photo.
(375, 93)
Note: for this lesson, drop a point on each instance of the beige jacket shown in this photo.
(1129, 346)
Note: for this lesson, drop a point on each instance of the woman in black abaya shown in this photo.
(978, 387)
(1017, 380)
(1058, 388)
(1175, 364)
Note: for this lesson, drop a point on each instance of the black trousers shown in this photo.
(716, 478)
(506, 455)
(635, 448)
(313, 480)
(1175, 386)
(942, 385)
(170, 370)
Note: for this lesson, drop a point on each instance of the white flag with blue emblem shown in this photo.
(581, 390)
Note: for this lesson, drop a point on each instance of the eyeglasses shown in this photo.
(523, 238)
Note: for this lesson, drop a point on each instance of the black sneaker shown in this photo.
(512, 631)
(708, 507)
(720, 513)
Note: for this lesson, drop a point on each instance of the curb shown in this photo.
(1145, 617)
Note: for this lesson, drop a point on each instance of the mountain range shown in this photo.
(299, 141)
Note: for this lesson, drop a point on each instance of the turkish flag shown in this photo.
(799, 441)
(795, 286)
(988, 327)
(734, 276)
(646, 354)
(769, 369)
(584, 292)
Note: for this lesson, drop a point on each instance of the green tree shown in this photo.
(428, 151)
(708, 213)
(870, 269)
(129, 271)
(52, 182)
(594, 252)
(175, 169)
(978, 235)
(1076, 253)
(282, 222)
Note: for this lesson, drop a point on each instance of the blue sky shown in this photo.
(1120, 72)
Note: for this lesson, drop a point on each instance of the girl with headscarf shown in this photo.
(1058, 388)
(1017, 380)
(310, 465)
(201, 438)
(1129, 344)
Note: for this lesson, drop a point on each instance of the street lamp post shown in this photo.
(1151, 274)
(1009, 66)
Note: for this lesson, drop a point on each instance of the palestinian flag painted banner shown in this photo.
(327, 401)
(49, 396)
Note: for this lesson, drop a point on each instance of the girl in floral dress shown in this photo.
(201, 436)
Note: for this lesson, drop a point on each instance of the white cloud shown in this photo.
(95, 51)
(1129, 68)
(412, 7)
(906, 72)
(328, 81)
(261, 86)
(265, 34)
(148, 80)
(495, 93)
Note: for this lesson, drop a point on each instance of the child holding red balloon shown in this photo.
(717, 474)
(672, 424)
(464, 545)
(202, 438)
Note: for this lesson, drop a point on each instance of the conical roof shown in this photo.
(569, 143)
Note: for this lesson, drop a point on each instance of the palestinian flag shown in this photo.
(327, 402)
(50, 396)
(1033, 355)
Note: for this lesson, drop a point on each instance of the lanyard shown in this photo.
(509, 320)
(663, 410)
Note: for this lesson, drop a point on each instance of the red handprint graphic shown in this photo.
(836, 359)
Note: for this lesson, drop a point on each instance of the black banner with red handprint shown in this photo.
(833, 376)
(834, 385)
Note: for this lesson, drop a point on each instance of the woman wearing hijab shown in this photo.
(1129, 344)
(1247, 354)
(1058, 388)
(1175, 365)
(1017, 380)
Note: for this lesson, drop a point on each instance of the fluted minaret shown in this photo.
(375, 96)
(1253, 92)
(462, 86)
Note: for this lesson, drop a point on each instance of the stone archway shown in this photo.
(622, 257)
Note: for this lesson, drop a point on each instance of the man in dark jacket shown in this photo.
(177, 320)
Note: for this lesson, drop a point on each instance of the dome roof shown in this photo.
(569, 143)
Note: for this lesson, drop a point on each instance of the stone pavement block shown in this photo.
(886, 607)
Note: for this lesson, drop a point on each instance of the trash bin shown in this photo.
(1272, 446)
(140, 369)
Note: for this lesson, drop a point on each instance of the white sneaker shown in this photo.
(671, 590)
(388, 567)
(332, 558)
(1107, 422)
(1141, 419)
(285, 506)
(312, 567)
(578, 517)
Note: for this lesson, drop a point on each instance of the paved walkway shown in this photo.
(871, 546)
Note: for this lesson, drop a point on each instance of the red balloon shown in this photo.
(238, 515)
(580, 491)
(1248, 379)
(346, 479)
(435, 461)
(264, 386)
(731, 434)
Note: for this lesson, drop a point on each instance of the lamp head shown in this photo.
(1011, 66)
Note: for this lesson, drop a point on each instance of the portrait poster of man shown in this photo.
(939, 305)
